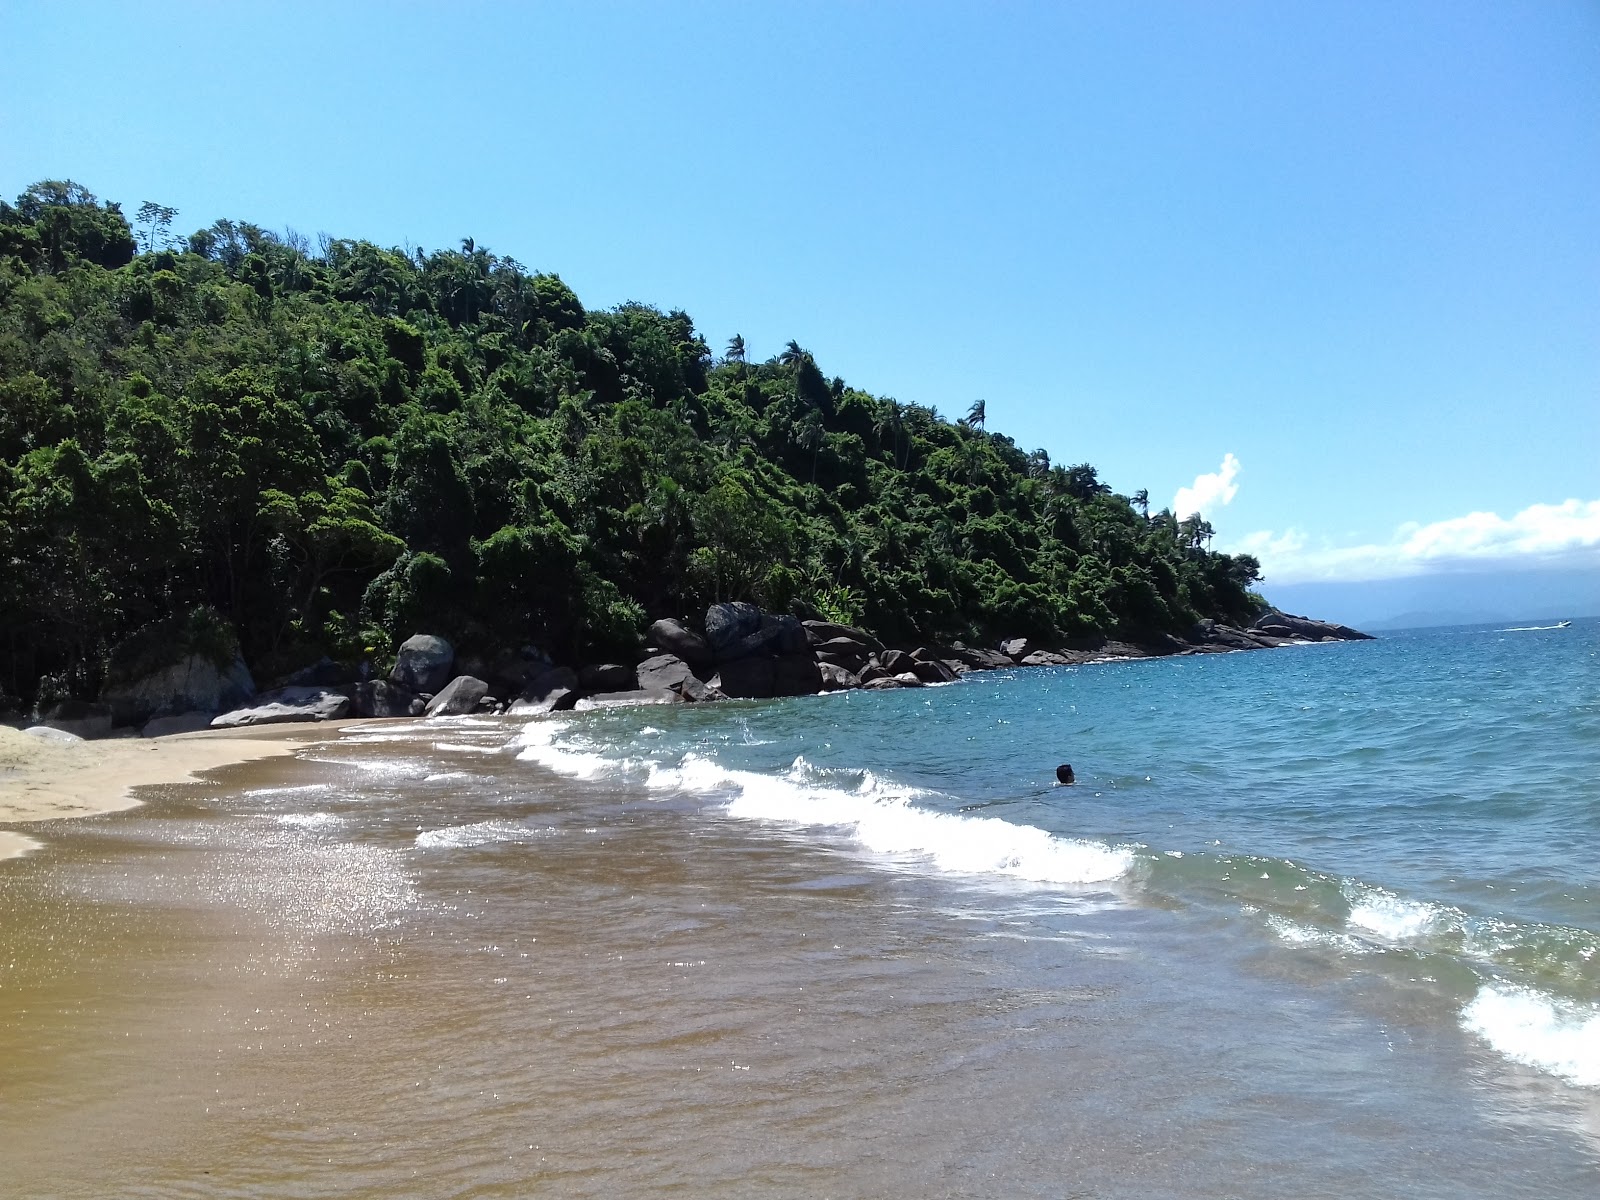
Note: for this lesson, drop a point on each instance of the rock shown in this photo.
(1043, 658)
(907, 679)
(677, 639)
(873, 670)
(554, 690)
(729, 623)
(983, 660)
(184, 663)
(622, 699)
(380, 698)
(762, 641)
(487, 706)
(933, 672)
(1016, 649)
(425, 663)
(895, 661)
(796, 675)
(457, 698)
(191, 722)
(825, 631)
(845, 651)
(664, 671)
(836, 678)
(699, 693)
(193, 683)
(289, 704)
(791, 636)
(746, 678)
(49, 733)
(1304, 627)
(607, 677)
(323, 673)
(882, 684)
(78, 717)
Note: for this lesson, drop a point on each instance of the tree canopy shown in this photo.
(336, 446)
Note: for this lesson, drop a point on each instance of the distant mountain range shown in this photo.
(1476, 598)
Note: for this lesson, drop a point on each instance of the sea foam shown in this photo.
(1530, 1027)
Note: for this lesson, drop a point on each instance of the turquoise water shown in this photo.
(1425, 806)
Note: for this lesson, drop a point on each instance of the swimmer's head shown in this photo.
(1064, 773)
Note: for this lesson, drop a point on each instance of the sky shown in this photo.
(1330, 274)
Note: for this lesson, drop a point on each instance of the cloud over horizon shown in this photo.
(1208, 492)
(1541, 535)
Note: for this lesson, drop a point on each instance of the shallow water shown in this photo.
(1316, 922)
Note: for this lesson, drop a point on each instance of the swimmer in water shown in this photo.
(1064, 775)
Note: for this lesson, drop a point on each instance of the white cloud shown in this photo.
(1208, 492)
(1540, 535)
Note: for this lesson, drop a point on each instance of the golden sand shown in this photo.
(43, 780)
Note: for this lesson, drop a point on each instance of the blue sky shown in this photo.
(1354, 246)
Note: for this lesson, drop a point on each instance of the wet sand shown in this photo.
(42, 779)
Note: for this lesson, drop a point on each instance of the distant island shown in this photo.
(299, 456)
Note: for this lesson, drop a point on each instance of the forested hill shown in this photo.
(337, 445)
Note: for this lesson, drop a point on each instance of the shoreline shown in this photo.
(44, 780)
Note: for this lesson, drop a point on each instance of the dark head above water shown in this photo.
(1064, 773)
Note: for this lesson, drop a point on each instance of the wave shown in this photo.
(1532, 1028)
(1530, 628)
(481, 833)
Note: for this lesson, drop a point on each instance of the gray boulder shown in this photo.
(181, 723)
(193, 682)
(665, 672)
(907, 679)
(895, 661)
(796, 675)
(729, 623)
(983, 660)
(1043, 658)
(882, 684)
(289, 704)
(458, 697)
(746, 678)
(624, 699)
(607, 677)
(49, 733)
(844, 651)
(932, 672)
(824, 631)
(1017, 649)
(380, 698)
(425, 663)
(789, 636)
(836, 678)
(1280, 624)
(554, 690)
(699, 693)
(677, 639)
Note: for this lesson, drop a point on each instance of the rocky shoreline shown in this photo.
(740, 652)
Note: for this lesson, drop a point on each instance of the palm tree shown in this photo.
(1141, 501)
(808, 435)
(735, 348)
(977, 414)
(793, 356)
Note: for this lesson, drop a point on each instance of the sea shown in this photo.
(1321, 921)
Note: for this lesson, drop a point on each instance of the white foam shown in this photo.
(1528, 1027)
(1391, 917)
(311, 820)
(444, 775)
(480, 833)
(1292, 933)
(885, 819)
(539, 743)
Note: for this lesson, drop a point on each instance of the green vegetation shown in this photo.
(337, 447)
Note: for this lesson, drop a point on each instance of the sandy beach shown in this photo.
(44, 780)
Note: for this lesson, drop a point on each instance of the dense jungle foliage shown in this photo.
(338, 445)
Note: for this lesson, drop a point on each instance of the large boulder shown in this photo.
(425, 664)
(1017, 649)
(457, 698)
(677, 639)
(730, 623)
(895, 661)
(932, 672)
(1043, 658)
(746, 678)
(847, 652)
(289, 704)
(78, 717)
(836, 678)
(666, 672)
(824, 631)
(188, 663)
(607, 677)
(982, 660)
(632, 697)
(795, 675)
(789, 635)
(380, 698)
(554, 690)
(699, 693)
